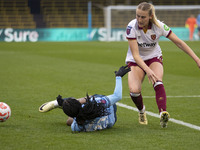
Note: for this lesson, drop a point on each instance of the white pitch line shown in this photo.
(179, 96)
(158, 116)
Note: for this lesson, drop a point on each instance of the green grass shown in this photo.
(34, 73)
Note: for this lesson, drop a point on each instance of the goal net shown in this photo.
(118, 17)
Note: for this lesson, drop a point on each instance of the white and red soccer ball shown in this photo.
(5, 112)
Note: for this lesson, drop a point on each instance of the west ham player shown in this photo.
(92, 113)
(144, 57)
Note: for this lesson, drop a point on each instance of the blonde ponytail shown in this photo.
(150, 8)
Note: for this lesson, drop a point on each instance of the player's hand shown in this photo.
(151, 76)
(122, 71)
(198, 63)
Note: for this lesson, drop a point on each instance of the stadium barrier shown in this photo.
(75, 34)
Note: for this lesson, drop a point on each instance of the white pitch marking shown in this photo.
(158, 116)
(179, 96)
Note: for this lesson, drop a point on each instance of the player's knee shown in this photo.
(135, 90)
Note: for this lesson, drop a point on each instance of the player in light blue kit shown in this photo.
(198, 25)
(91, 113)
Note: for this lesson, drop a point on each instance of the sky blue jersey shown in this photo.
(107, 121)
(198, 20)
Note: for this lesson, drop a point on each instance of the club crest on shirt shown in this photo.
(153, 36)
(128, 30)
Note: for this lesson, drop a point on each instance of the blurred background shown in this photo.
(40, 14)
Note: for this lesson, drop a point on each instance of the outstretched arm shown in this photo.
(183, 46)
(117, 95)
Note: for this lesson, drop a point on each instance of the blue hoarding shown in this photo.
(74, 34)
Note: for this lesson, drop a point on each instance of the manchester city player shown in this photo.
(144, 57)
(91, 113)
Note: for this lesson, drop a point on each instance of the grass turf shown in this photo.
(33, 73)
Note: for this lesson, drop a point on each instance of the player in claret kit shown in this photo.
(91, 113)
(144, 57)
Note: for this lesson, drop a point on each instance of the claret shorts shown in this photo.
(148, 62)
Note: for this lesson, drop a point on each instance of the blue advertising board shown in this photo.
(74, 34)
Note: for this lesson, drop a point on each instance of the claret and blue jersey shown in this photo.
(147, 41)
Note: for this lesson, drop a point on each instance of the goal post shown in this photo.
(173, 15)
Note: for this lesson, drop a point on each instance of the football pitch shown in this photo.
(34, 73)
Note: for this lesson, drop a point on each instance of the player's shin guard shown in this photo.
(137, 99)
(160, 96)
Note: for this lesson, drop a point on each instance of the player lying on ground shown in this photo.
(91, 113)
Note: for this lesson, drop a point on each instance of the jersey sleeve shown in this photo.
(113, 98)
(166, 31)
(117, 95)
(102, 99)
(130, 31)
(75, 127)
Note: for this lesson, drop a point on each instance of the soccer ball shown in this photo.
(5, 112)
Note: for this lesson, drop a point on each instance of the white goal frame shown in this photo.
(108, 9)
